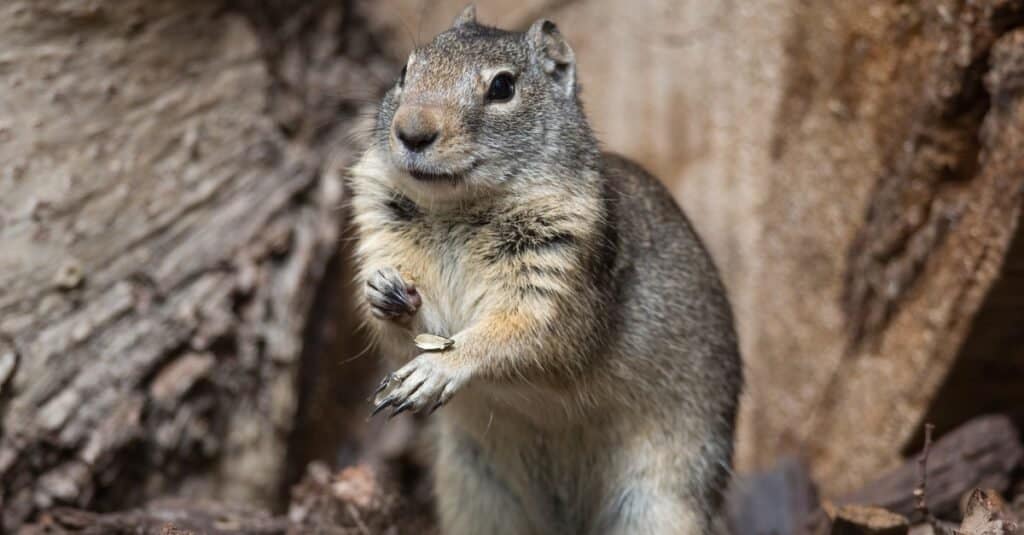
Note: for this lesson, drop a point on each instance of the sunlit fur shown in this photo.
(593, 382)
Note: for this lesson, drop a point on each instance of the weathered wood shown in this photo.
(938, 221)
(983, 453)
(989, 371)
(165, 220)
(359, 500)
(167, 517)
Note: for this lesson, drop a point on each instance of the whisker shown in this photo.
(365, 351)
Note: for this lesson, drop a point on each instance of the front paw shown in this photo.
(427, 382)
(391, 296)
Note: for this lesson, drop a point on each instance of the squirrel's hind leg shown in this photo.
(472, 499)
(639, 510)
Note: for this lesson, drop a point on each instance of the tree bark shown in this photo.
(169, 199)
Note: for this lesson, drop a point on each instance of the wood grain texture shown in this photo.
(165, 220)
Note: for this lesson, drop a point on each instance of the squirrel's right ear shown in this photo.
(468, 16)
(554, 54)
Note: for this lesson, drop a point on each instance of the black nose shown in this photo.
(416, 139)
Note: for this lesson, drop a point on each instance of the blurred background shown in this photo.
(175, 299)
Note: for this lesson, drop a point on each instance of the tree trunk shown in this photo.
(168, 204)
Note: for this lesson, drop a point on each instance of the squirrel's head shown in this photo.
(479, 107)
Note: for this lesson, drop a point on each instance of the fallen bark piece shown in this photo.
(981, 453)
(163, 517)
(359, 500)
(354, 498)
(922, 529)
(985, 513)
(935, 527)
(864, 520)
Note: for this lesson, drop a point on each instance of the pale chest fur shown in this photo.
(526, 256)
(440, 260)
(518, 256)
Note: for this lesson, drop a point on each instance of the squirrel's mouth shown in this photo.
(440, 176)
(424, 176)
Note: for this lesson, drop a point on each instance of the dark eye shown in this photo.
(503, 88)
(401, 77)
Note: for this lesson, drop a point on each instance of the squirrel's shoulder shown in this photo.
(631, 177)
(631, 186)
(645, 213)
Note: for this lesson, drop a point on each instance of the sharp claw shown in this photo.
(383, 384)
(380, 388)
(437, 405)
(385, 307)
(382, 405)
(400, 409)
(413, 301)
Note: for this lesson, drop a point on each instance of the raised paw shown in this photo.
(391, 297)
(425, 383)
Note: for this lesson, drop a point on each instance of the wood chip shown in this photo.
(69, 276)
(430, 342)
(985, 513)
(861, 520)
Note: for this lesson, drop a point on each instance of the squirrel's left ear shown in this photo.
(468, 16)
(554, 54)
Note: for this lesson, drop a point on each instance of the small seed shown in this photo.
(430, 342)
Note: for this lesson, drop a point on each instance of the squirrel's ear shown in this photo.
(468, 16)
(554, 54)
